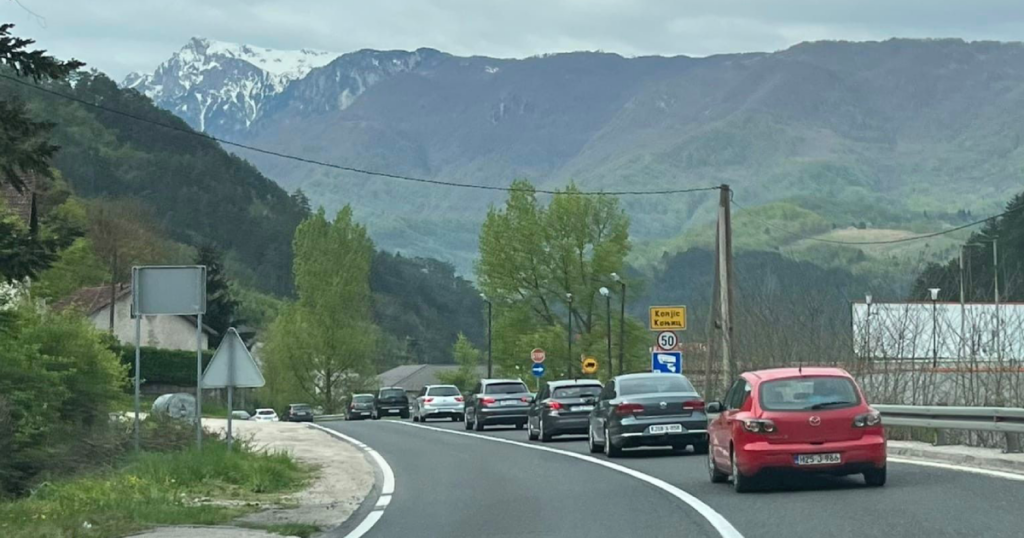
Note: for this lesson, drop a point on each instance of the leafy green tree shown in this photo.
(24, 143)
(533, 258)
(468, 359)
(221, 306)
(325, 343)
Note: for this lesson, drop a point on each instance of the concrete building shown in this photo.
(165, 332)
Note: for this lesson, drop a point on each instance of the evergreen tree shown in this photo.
(24, 143)
(221, 306)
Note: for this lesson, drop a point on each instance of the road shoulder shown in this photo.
(344, 479)
(991, 459)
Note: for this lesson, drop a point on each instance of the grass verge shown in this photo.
(192, 487)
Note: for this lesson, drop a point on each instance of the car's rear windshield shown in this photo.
(300, 407)
(654, 384)
(392, 393)
(576, 391)
(808, 393)
(442, 391)
(505, 388)
(365, 398)
(265, 412)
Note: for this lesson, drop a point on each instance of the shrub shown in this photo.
(163, 366)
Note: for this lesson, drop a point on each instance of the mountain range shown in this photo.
(903, 134)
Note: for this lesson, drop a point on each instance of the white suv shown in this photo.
(265, 415)
(438, 401)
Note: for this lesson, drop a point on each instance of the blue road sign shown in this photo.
(667, 362)
(538, 369)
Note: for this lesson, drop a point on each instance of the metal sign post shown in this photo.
(168, 290)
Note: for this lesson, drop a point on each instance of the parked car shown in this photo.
(265, 415)
(648, 410)
(562, 408)
(360, 407)
(300, 413)
(438, 401)
(497, 401)
(798, 420)
(391, 401)
(240, 415)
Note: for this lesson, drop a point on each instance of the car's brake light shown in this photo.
(554, 405)
(524, 399)
(693, 405)
(628, 409)
(759, 426)
(867, 420)
(487, 401)
(458, 398)
(427, 400)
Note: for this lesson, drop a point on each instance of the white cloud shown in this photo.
(118, 36)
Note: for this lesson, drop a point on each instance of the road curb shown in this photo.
(371, 509)
(994, 462)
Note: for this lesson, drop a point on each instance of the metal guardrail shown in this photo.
(327, 418)
(1006, 420)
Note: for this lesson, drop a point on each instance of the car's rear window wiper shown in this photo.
(823, 405)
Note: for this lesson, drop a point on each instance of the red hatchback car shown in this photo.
(802, 420)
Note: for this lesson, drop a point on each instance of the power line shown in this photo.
(888, 242)
(338, 166)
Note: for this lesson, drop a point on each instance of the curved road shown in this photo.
(459, 485)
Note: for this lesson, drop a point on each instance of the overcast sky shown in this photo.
(119, 36)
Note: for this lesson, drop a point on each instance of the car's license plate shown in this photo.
(394, 410)
(665, 428)
(818, 459)
(510, 402)
(582, 408)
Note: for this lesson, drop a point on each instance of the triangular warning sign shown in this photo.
(232, 365)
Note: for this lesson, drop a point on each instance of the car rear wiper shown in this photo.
(823, 405)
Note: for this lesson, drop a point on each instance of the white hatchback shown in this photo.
(265, 415)
(439, 401)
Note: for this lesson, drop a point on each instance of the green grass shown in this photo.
(155, 489)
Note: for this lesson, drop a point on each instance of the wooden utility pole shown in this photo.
(725, 282)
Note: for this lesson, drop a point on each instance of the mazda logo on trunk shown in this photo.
(814, 421)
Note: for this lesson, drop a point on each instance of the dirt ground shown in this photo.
(344, 479)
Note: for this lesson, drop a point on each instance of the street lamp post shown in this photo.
(622, 321)
(935, 326)
(608, 320)
(568, 363)
(489, 312)
(867, 327)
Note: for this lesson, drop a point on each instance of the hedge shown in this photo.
(164, 366)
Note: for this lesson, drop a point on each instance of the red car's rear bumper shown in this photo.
(855, 456)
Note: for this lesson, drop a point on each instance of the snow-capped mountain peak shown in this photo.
(221, 85)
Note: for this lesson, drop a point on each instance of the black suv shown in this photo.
(391, 401)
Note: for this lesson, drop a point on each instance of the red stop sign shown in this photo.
(537, 355)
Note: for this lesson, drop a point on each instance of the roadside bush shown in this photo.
(59, 381)
(163, 366)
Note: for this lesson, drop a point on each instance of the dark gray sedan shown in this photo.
(562, 408)
(648, 410)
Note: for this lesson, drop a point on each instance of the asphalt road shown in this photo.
(457, 485)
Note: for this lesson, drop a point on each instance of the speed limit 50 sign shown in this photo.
(667, 340)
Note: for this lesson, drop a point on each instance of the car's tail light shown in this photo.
(352, 406)
(624, 409)
(427, 400)
(524, 399)
(458, 398)
(554, 405)
(759, 426)
(487, 401)
(867, 420)
(693, 405)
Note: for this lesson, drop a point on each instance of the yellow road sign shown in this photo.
(589, 365)
(668, 318)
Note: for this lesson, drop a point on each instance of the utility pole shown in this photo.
(725, 284)
(608, 321)
(489, 311)
(963, 309)
(622, 321)
(995, 277)
(568, 363)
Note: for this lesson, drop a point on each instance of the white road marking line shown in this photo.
(386, 491)
(722, 525)
(954, 467)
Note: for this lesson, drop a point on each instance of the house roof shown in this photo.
(413, 377)
(91, 300)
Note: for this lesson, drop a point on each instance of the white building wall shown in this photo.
(165, 332)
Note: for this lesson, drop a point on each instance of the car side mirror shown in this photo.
(713, 407)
